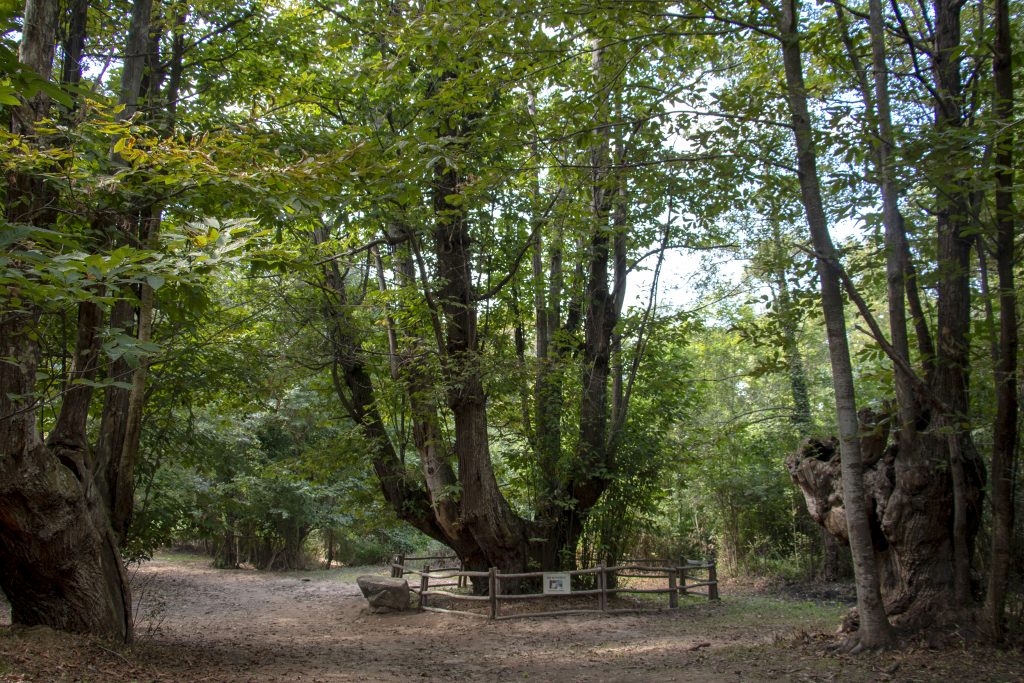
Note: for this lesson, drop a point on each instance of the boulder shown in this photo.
(384, 593)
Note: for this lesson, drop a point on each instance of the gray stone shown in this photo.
(384, 593)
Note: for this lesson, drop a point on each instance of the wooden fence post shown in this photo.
(462, 579)
(602, 585)
(673, 593)
(682, 578)
(396, 572)
(424, 585)
(713, 580)
(492, 591)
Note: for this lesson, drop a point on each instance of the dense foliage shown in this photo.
(528, 280)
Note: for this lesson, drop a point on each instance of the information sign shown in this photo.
(556, 583)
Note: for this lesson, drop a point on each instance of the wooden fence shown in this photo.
(399, 569)
(681, 580)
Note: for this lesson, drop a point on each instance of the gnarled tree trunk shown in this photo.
(59, 559)
(64, 505)
(923, 490)
(908, 504)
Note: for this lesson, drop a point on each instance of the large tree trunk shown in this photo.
(64, 506)
(59, 560)
(874, 627)
(497, 530)
(912, 544)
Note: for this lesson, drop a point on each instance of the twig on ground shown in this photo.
(116, 654)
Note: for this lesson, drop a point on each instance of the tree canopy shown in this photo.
(278, 270)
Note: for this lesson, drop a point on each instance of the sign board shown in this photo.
(556, 583)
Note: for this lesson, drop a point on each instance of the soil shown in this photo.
(195, 623)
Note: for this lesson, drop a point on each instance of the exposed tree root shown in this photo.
(852, 644)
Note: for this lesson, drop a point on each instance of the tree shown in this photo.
(874, 627)
(432, 270)
(60, 561)
(1004, 447)
(454, 199)
(86, 181)
(933, 463)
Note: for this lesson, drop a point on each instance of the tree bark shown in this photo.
(59, 561)
(485, 513)
(895, 239)
(64, 506)
(1004, 447)
(874, 627)
(954, 244)
(74, 43)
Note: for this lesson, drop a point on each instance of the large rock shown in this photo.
(384, 593)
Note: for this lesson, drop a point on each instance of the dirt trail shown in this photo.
(196, 624)
(243, 625)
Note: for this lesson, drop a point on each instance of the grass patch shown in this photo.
(769, 611)
(347, 574)
(181, 556)
(335, 573)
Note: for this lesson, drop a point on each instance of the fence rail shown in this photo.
(680, 581)
(399, 568)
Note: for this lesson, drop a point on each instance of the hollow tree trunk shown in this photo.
(911, 542)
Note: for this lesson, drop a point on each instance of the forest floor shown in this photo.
(196, 624)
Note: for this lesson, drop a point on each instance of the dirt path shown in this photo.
(243, 625)
(200, 624)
